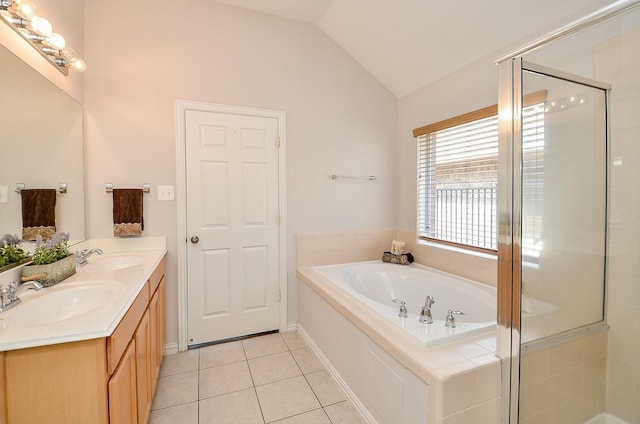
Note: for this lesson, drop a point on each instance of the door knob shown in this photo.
(195, 239)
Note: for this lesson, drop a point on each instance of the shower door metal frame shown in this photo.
(510, 222)
(509, 233)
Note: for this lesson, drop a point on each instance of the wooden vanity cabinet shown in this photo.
(144, 326)
(109, 380)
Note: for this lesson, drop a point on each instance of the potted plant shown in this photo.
(11, 253)
(52, 261)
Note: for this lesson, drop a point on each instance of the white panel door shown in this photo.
(232, 225)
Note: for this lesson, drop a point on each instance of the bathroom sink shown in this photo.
(62, 303)
(112, 262)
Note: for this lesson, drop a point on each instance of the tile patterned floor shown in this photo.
(268, 379)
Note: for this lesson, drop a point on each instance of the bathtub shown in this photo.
(376, 284)
(397, 370)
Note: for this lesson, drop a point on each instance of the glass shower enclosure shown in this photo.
(552, 246)
(568, 246)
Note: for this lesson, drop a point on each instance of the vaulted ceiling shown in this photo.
(407, 44)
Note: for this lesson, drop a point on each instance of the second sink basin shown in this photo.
(63, 303)
(112, 262)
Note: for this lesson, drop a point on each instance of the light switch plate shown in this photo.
(4, 194)
(165, 192)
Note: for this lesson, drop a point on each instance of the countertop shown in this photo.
(101, 321)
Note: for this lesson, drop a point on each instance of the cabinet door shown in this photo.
(162, 319)
(3, 394)
(158, 330)
(143, 368)
(123, 408)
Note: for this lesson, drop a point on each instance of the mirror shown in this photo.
(41, 146)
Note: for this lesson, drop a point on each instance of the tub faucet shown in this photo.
(425, 311)
(403, 308)
(9, 296)
(82, 255)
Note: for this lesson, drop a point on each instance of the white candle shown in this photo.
(397, 247)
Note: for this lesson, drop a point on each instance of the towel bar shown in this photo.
(364, 177)
(61, 190)
(146, 188)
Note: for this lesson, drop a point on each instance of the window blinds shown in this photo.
(458, 181)
(458, 177)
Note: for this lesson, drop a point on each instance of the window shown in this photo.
(458, 177)
(532, 181)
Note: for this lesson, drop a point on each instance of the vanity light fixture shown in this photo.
(21, 15)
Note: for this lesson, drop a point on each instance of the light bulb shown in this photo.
(78, 64)
(41, 26)
(26, 10)
(56, 41)
(68, 53)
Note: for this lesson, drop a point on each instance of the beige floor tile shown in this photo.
(264, 345)
(175, 390)
(343, 413)
(307, 360)
(294, 340)
(233, 408)
(179, 363)
(286, 398)
(314, 417)
(268, 369)
(181, 414)
(221, 354)
(325, 388)
(224, 379)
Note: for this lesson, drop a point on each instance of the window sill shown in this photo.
(450, 248)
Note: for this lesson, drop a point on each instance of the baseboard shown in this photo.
(358, 405)
(292, 327)
(170, 348)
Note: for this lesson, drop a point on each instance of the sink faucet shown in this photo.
(9, 296)
(82, 255)
(425, 311)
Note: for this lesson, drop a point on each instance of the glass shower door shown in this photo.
(563, 247)
(553, 249)
(564, 181)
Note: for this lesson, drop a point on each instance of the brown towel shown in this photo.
(38, 213)
(127, 212)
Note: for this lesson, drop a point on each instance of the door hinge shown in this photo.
(278, 141)
(278, 219)
(279, 296)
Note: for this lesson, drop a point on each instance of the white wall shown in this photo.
(142, 56)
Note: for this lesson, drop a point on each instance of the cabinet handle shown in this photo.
(195, 239)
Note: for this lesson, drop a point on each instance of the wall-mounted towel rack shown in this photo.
(357, 177)
(62, 188)
(146, 188)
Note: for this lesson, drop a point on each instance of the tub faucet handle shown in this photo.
(403, 308)
(451, 320)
